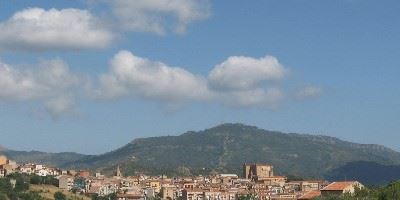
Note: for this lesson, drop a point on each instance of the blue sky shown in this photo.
(94, 77)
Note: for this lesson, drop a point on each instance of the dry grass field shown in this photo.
(47, 191)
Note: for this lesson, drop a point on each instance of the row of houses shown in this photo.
(258, 180)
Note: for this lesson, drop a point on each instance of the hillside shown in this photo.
(48, 191)
(52, 159)
(226, 147)
(369, 173)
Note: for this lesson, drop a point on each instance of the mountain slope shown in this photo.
(369, 173)
(226, 147)
(52, 159)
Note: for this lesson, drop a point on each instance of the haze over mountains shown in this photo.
(226, 147)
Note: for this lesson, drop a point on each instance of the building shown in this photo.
(257, 171)
(27, 169)
(310, 195)
(2, 172)
(118, 172)
(66, 182)
(340, 188)
(193, 194)
(8, 169)
(227, 179)
(3, 160)
(169, 192)
(84, 173)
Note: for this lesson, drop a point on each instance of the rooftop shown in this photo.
(337, 186)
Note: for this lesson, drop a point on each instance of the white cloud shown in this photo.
(136, 76)
(309, 92)
(39, 29)
(158, 15)
(131, 75)
(243, 73)
(49, 82)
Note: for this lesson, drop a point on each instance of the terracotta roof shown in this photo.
(338, 186)
(310, 195)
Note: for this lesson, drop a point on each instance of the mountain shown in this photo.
(52, 159)
(225, 148)
(368, 173)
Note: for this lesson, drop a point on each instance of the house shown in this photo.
(2, 172)
(169, 192)
(84, 173)
(8, 169)
(273, 180)
(65, 182)
(227, 178)
(155, 185)
(220, 194)
(310, 195)
(27, 169)
(339, 188)
(3, 160)
(42, 172)
(102, 188)
(193, 194)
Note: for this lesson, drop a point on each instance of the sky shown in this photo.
(90, 75)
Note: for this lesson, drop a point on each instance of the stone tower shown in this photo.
(118, 172)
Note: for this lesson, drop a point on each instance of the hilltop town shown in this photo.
(258, 181)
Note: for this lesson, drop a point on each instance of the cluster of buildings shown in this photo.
(258, 181)
(9, 166)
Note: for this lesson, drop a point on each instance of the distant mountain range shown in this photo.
(368, 173)
(225, 148)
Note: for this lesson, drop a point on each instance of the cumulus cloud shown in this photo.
(39, 29)
(131, 75)
(243, 73)
(158, 15)
(309, 92)
(48, 83)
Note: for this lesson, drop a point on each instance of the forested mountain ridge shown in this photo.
(226, 147)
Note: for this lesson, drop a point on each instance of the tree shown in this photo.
(59, 196)
(3, 196)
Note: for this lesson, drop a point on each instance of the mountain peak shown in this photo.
(237, 126)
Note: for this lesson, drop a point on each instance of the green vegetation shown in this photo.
(368, 173)
(43, 180)
(33, 187)
(248, 197)
(52, 159)
(224, 149)
(49, 192)
(389, 192)
(16, 187)
(59, 196)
